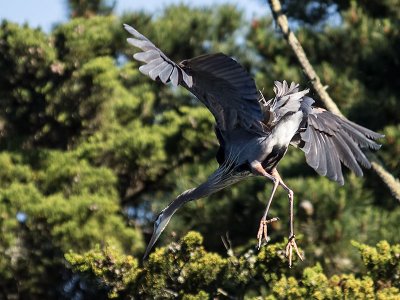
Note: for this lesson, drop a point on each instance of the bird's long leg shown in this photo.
(263, 231)
(292, 242)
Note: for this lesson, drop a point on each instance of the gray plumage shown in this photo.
(216, 80)
(329, 140)
(254, 134)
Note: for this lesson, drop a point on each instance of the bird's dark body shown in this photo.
(268, 159)
(273, 158)
(255, 134)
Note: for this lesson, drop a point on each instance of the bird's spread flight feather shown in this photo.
(217, 80)
(329, 140)
(326, 139)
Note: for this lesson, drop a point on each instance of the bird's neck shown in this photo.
(216, 182)
(286, 128)
(187, 196)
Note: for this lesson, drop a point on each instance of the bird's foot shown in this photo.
(262, 230)
(289, 250)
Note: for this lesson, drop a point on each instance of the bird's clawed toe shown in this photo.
(262, 230)
(289, 250)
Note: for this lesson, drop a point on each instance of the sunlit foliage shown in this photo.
(91, 150)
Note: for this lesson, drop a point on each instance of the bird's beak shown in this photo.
(167, 213)
(158, 229)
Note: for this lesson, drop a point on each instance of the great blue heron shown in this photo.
(254, 134)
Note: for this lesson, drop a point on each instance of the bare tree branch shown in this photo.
(388, 179)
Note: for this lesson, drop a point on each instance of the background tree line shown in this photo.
(91, 150)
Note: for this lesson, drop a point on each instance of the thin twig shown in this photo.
(388, 179)
(228, 245)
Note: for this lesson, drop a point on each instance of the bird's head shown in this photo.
(159, 225)
(166, 214)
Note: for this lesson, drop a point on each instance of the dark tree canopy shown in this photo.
(90, 8)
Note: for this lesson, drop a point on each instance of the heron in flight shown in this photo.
(255, 134)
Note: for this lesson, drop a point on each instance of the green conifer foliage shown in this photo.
(184, 270)
(91, 150)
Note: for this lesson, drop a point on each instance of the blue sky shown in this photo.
(45, 13)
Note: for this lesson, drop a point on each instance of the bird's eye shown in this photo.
(158, 220)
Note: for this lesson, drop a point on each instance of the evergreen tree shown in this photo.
(90, 8)
(91, 151)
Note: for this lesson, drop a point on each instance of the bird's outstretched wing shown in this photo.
(328, 140)
(217, 80)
